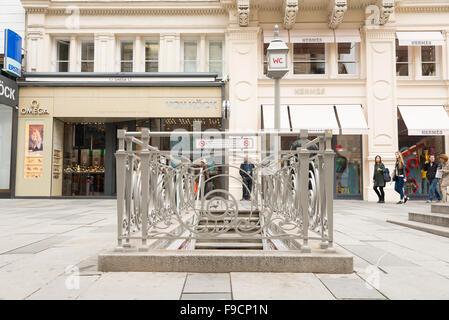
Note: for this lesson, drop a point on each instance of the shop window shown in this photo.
(84, 162)
(348, 165)
(428, 61)
(402, 60)
(416, 151)
(151, 56)
(309, 58)
(126, 56)
(190, 56)
(265, 58)
(216, 57)
(5, 146)
(63, 51)
(347, 58)
(87, 56)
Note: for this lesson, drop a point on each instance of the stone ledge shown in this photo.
(440, 231)
(440, 208)
(200, 261)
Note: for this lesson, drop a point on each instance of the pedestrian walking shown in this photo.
(444, 181)
(399, 177)
(431, 167)
(379, 179)
(246, 171)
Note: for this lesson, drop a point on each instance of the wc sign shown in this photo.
(278, 61)
(13, 53)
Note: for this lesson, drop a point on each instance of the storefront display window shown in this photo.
(84, 164)
(402, 60)
(347, 58)
(348, 165)
(126, 56)
(151, 56)
(63, 48)
(428, 61)
(6, 114)
(416, 151)
(87, 56)
(190, 56)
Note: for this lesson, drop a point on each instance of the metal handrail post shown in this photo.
(303, 157)
(120, 156)
(145, 156)
(329, 156)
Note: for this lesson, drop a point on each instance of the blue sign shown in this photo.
(13, 53)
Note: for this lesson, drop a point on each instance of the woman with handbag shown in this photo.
(379, 179)
(399, 177)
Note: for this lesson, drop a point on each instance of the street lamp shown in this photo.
(277, 68)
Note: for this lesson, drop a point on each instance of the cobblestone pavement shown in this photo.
(45, 243)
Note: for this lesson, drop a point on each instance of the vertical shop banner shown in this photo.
(13, 53)
(34, 148)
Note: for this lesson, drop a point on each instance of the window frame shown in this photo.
(208, 41)
(437, 64)
(56, 53)
(309, 75)
(80, 54)
(119, 53)
(356, 61)
(187, 39)
(409, 61)
(151, 40)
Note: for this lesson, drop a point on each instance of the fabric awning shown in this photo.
(268, 117)
(315, 118)
(347, 35)
(268, 35)
(352, 120)
(434, 38)
(311, 36)
(425, 120)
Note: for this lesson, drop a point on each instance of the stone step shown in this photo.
(229, 245)
(437, 219)
(440, 208)
(220, 221)
(225, 261)
(232, 238)
(438, 230)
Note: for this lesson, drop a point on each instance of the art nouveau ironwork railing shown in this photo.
(163, 195)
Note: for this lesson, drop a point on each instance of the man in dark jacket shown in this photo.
(246, 171)
(431, 168)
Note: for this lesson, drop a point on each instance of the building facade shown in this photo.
(375, 72)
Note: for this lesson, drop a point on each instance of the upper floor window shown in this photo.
(347, 58)
(87, 56)
(190, 56)
(428, 61)
(63, 51)
(151, 56)
(265, 58)
(216, 57)
(402, 60)
(309, 58)
(126, 56)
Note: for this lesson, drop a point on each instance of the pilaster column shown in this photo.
(104, 52)
(139, 56)
(380, 104)
(445, 56)
(73, 55)
(243, 63)
(203, 54)
(333, 60)
(35, 46)
(170, 55)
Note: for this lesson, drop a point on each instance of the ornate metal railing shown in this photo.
(164, 197)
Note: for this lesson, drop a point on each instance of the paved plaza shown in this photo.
(48, 250)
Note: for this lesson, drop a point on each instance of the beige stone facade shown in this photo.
(238, 28)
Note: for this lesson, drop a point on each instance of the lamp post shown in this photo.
(277, 67)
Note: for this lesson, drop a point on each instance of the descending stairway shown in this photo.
(436, 222)
(230, 240)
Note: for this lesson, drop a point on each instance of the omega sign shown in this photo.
(197, 104)
(34, 109)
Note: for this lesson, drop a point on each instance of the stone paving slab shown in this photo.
(137, 286)
(349, 286)
(207, 282)
(65, 287)
(206, 296)
(278, 286)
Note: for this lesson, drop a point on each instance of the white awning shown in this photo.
(311, 36)
(347, 35)
(434, 38)
(425, 120)
(352, 120)
(268, 35)
(268, 117)
(315, 118)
